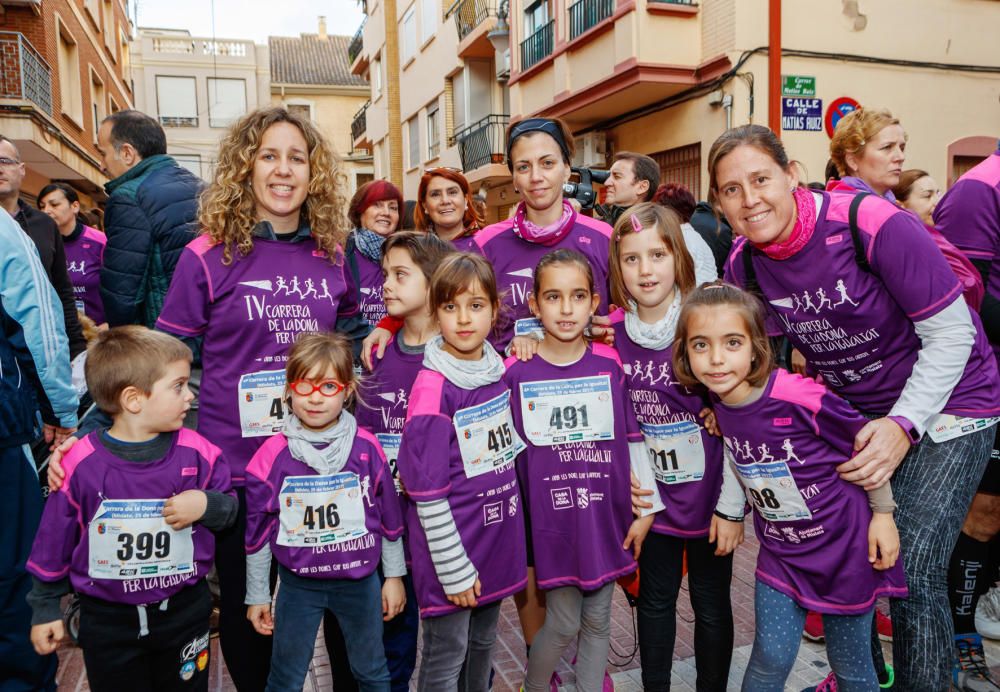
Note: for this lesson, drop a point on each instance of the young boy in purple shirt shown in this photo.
(131, 527)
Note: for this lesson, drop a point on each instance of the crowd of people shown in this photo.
(385, 424)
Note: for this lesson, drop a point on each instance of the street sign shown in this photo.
(837, 110)
(797, 85)
(802, 114)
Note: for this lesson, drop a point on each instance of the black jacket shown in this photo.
(45, 235)
(715, 230)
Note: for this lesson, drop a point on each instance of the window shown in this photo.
(70, 89)
(123, 51)
(681, 165)
(192, 162)
(433, 131)
(458, 119)
(376, 77)
(97, 101)
(108, 27)
(428, 19)
(93, 8)
(303, 109)
(176, 101)
(413, 137)
(409, 36)
(536, 15)
(227, 101)
(114, 105)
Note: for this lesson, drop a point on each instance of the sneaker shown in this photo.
(887, 685)
(813, 631)
(829, 684)
(884, 626)
(988, 614)
(969, 672)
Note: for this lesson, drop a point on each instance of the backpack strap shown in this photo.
(852, 219)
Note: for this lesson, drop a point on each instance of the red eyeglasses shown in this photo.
(326, 387)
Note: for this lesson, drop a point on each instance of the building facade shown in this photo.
(65, 67)
(311, 74)
(196, 87)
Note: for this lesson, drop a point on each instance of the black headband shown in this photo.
(549, 127)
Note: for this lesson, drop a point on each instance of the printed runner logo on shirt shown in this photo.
(563, 411)
(130, 538)
(676, 452)
(262, 410)
(322, 510)
(486, 436)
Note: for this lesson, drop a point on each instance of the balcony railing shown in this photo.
(25, 74)
(691, 3)
(536, 46)
(584, 14)
(360, 122)
(483, 142)
(469, 14)
(356, 44)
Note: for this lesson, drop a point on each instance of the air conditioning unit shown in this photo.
(503, 66)
(591, 150)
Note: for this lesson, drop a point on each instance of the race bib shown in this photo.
(676, 452)
(262, 410)
(130, 539)
(390, 445)
(562, 411)
(772, 491)
(944, 426)
(486, 436)
(529, 326)
(322, 510)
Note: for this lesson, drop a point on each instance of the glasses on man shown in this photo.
(326, 387)
(7, 163)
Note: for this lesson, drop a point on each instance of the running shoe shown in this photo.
(884, 625)
(813, 631)
(970, 673)
(988, 614)
(829, 684)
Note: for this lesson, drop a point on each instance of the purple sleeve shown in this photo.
(915, 273)
(425, 456)
(969, 217)
(57, 537)
(262, 510)
(188, 301)
(837, 423)
(391, 516)
(632, 431)
(348, 305)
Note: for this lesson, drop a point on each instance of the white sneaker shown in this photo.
(988, 614)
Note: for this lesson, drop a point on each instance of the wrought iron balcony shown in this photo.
(537, 46)
(360, 122)
(483, 142)
(469, 14)
(584, 14)
(25, 73)
(356, 44)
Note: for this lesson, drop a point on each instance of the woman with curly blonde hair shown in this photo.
(267, 267)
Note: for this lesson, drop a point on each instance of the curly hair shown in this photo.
(854, 131)
(227, 212)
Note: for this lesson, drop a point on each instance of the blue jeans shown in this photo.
(779, 624)
(298, 614)
(933, 488)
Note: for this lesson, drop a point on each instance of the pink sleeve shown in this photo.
(262, 494)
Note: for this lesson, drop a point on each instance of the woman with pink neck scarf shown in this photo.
(882, 320)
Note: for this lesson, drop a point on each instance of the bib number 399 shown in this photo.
(129, 539)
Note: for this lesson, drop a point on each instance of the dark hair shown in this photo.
(406, 222)
(831, 172)
(756, 136)
(719, 293)
(456, 273)
(470, 220)
(562, 256)
(368, 194)
(668, 226)
(907, 179)
(553, 127)
(677, 197)
(643, 168)
(138, 129)
(425, 249)
(67, 191)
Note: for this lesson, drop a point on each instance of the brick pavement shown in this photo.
(509, 660)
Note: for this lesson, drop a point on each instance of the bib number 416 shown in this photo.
(321, 517)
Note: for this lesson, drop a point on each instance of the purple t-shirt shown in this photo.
(112, 546)
(577, 492)
(485, 505)
(466, 243)
(249, 312)
(84, 259)
(322, 527)
(370, 282)
(812, 525)
(688, 460)
(514, 262)
(855, 328)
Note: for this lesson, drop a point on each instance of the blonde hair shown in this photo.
(854, 131)
(228, 210)
(668, 226)
(131, 356)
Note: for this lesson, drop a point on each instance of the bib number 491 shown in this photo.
(568, 417)
(321, 517)
(143, 546)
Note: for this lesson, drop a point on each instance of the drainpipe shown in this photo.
(727, 105)
(774, 66)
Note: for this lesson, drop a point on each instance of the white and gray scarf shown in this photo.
(467, 374)
(659, 335)
(324, 451)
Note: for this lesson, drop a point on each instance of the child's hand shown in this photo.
(708, 420)
(261, 619)
(55, 473)
(600, 330)
(46, 637)
(393, 597)
(184, 509)
(379, 337)
(638, 503)
(467, 599)
(524, 348)
(883, 541)
(725, 534)
(637, 534)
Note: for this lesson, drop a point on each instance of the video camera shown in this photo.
(583, 191)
